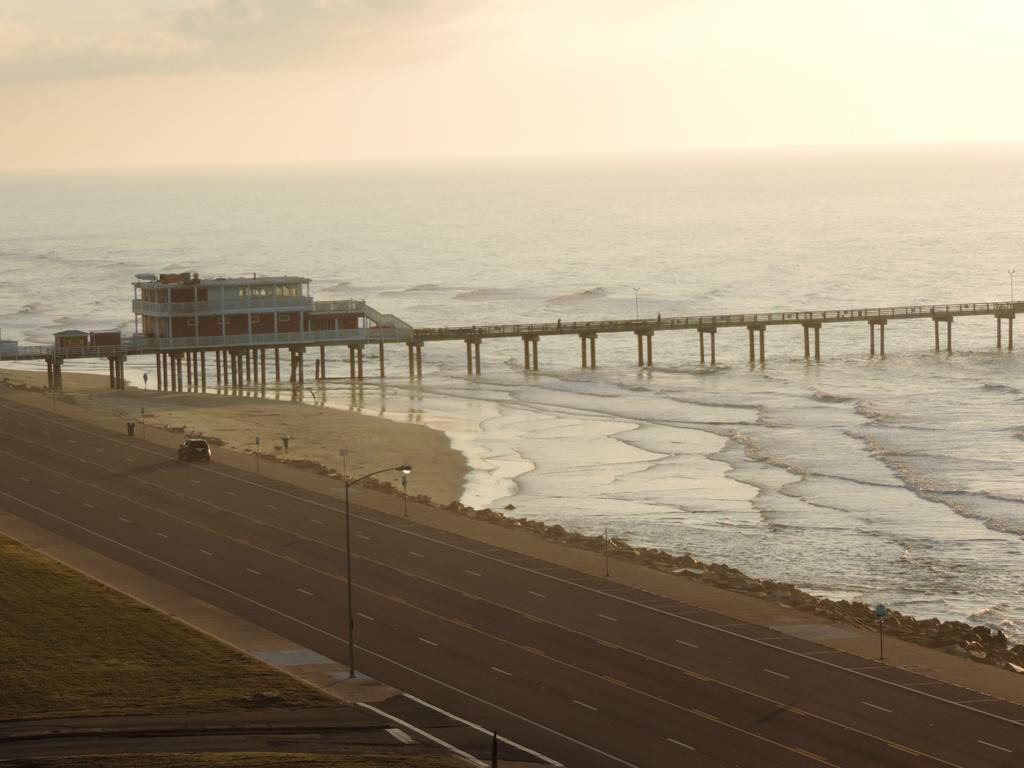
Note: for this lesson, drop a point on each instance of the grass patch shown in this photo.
(70, 646)
(241, 760)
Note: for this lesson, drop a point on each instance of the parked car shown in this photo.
(195, 449)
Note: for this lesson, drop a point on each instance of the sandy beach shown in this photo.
(316, 434)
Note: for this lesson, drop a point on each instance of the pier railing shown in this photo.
(719, 321)
(352, 336)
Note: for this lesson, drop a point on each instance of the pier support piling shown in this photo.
(590, 338)
(881, 336)
(760, 328)
(640, 336)
(530, 351)
(381, 358)
(472, 355)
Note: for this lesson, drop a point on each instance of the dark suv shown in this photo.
(194, 449)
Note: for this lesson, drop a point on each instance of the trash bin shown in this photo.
(131, 429)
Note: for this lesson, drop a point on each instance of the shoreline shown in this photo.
(89, 392)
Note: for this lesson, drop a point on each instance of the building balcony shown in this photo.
(141, 343)
(226, 307)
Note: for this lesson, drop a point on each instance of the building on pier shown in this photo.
(187, 308)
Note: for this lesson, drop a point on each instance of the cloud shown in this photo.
(230, 35)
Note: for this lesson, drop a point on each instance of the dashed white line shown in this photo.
(315, 521)
(875, 706)
(194, 482)
(306, 592)
(87, 505)
(161, 470)
(124, 519)
(361, 536)
(415, 554)
(206, 552)
(399, 735)
(162, 535)
(254, 572)
(585, 705)
(681, 744)
(271, 506)
(473, 573)
(684, 642)
(502, 671)
(536, 594)
(363, 615)
(428, 642)
(995, 746)
(609, 618)
(230, 493)
(72, 441)
(55, 491)
(777, 674)
(24, 479)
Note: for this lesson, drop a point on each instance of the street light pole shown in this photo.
(636, 299)
(405, 469)
(1011, 273)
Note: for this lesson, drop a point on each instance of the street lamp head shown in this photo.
(405, 469)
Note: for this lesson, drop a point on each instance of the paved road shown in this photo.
(584, 670)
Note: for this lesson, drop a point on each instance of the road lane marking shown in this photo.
(875, 706)
(206, 552)
(361, 536)
(87, 505)
(609, 618)
(471, 573)
(55, 491)
(399, 735)
(683, 642)
(681, 744)
(428, 642)
(777, 674)
(502, 671)
(230, 493)
(161, 470)
(606, 644)
(271, 506)
(536, 594)
(415, 554)
(124, 519)
(995, 746)
(368, 618)
(71, 441)
(315, 521)
(24, 479)
(254, 572)
(306, 592)
(129, 458)
(162, 535)
(584, 704)
(194, 482)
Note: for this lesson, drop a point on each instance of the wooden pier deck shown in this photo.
(241, 361)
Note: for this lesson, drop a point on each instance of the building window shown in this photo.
(191, 322)
(284, 318)
(256, 320)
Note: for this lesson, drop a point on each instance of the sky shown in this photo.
(125, 83)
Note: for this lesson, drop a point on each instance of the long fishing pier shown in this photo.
(241, 360)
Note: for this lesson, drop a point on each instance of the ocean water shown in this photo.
(894, 480)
